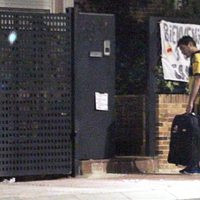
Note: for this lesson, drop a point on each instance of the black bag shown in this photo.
(184, 146)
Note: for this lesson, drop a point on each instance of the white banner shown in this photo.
(175, 65)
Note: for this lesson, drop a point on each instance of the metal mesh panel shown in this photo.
(35, 94)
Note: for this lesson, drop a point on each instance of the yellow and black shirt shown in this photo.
(194, 70)
(195, 64)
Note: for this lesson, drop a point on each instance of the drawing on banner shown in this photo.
(175, 64)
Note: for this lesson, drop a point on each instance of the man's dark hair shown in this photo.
(185, 40)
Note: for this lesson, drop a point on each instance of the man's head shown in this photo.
(187, 45)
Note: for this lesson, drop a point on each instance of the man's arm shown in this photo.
(193, 94)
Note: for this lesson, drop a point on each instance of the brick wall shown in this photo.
(130, 125)
(167, 107)
(129, 138)
(141, 11)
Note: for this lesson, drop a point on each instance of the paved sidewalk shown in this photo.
(105, 187)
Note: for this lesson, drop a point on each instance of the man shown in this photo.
(188, 48)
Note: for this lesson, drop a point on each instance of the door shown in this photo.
(94, 68)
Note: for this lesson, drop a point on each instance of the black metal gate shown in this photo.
(35, 94)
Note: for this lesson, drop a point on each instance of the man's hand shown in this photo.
(189, 108)
(193, 94)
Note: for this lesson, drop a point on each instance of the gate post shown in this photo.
(153, 57)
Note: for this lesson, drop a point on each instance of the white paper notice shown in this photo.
(101, 101)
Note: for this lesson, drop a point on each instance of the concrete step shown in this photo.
(120, 165)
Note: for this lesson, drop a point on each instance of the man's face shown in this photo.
(186, 49)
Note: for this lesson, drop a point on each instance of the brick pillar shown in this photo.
(167, 107)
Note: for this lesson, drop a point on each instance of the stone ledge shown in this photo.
(120, 165)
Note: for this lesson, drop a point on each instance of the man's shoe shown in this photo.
(194, 170)
(185, 169)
